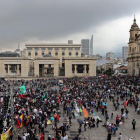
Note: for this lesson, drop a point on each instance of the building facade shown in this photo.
(85, 46)
(48, 60)
(124, 52)
(110, 56)
(56, 50)
(91, 46)
(134, 50)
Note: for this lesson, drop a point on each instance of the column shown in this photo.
(75, 72)
(8, 69)
(56, 68)
(85, 70)
(17, 69)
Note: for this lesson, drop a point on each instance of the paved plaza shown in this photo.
(100, 133)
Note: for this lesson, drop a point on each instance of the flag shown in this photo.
(6, 135)
(20, 121)
(21, 117)
(22, 89)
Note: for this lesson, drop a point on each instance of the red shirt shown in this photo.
(117, 117)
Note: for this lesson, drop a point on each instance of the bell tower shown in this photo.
(134, 31)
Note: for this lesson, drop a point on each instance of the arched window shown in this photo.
(36, 53)
(63, 53)
(69, 53)
(130, 50)
(56, 53)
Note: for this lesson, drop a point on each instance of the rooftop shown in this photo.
(52, 44)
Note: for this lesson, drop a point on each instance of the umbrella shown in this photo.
(80, 121)
(103, 104)
(52, 118)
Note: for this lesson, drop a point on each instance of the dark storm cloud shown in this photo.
(21, 20)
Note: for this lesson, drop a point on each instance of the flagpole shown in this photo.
(12, 111)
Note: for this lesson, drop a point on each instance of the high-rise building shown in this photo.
(91, 46)
(124, 52)
(110, 55)
(85, 43)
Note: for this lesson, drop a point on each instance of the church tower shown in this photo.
(134, 50)
(134, 31)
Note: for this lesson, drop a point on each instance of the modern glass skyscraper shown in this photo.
(85, 43)
(91, 46)
(124, 52)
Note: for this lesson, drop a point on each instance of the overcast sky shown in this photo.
(42, 21)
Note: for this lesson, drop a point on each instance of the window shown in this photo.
(42, 53)
(135, 35)
(69, 49)
(80, 68)
(50, 53)
(63, 65)
(77, 49)
(49, 49)
(69, 53)
(43, 49)
(29, 53)
(29, 49)
(36, 53)
(76, 53)
(63, 49)
(130, 49)
(56, 49)
(56, 53)
(36, 49)
(63, 53)
(13, 67)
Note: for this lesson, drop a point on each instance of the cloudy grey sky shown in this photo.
(38, 21)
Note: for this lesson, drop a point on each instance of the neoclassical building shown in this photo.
(134, 50)
(45, 60)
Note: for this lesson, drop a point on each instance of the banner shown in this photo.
(85, 113)
(6, 135)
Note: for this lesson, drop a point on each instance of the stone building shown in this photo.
(56, 50)
(110, 56)
(134, 50)
(45, 60)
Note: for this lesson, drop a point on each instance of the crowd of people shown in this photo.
(45, 101)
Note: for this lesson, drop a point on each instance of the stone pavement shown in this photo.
(100, 133)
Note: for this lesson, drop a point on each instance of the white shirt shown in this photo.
(24, 137)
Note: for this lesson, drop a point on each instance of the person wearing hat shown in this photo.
(49, 137)
(37, 138)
